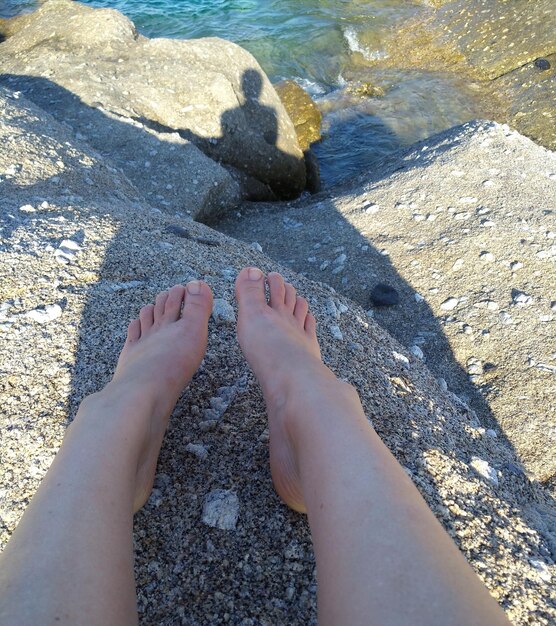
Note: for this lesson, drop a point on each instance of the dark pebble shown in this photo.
(384, 295)
(542, 64)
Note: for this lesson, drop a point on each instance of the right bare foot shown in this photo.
(279, 341)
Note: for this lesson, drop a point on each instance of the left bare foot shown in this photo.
(164, 348)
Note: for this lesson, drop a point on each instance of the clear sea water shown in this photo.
(319, 44)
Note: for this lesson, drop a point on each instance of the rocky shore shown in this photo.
(103, 174)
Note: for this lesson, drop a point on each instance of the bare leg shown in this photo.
(382, 557)
(70, 560)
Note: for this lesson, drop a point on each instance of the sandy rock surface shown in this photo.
(209, 92)
(463, 226)
(214, 544)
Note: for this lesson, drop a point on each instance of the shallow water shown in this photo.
(316, 43)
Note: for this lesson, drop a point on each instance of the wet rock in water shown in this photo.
(303, 112)
(384, 295)
(542, 64)
(365, 90)
(221, 509)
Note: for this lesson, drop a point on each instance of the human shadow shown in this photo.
(181, 562)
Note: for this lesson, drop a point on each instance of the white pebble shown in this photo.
(418, 297)
(442, 384)
(484, 469)
(487, 256)
(221, 509)
(27, 208)
(336, 332)
(541, 567)
(223, 312)
(457, 264)
(449, 304)
(468, 200)
(400, 357)
(416, 351)
(43, 316)
(331, 308)
(256, 246)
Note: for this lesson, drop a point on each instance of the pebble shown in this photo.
(520, 298)
(384, 295)
(416, 351)
(198, 450)
(449, 304)
(516, 265)
(468, 200)
(442, 384)
(338, 269)
(343, 308)
(400, 357)
(27, 208)
(484, 470)
(372, 209)
(542, 64)
(44, 315)
(331, 308)
(223, 312)
(324, 265)
(457, 264)
(221, 509)
(340, 260)
(542, 570)
(487, 256)
(66, 251)
(336, 332)
(418, 297)
(505, 317)
(256, 246)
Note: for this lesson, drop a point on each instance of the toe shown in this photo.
(173, 304)
(159, 305)
(311, 325)
(250, 289)
(146, 317)
(301, 310)
(133, 331)
(277, 288)
(198, 299)
(290, 297)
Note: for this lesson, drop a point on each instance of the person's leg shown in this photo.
(382, 557)
(70, 560)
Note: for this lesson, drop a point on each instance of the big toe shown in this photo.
(250, 288)
(197, 303)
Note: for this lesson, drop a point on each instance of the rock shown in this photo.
(198, 450)
(449, 304)
(223, 312)
(208, 93)
(442, 384)
(484, 470)
(542, 569)
(384, 295)
(416, 351)
(256, 246)
(66, 251)
(303, 112)
(542, 64)
(400, 357)
(520, 298)
(336, 332)
(45, 314)
(221, 509)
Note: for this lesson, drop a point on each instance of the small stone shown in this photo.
(450, 304)
(505, 317)
(198, 450)
(384, 295)
(553, 305)
(418, 297)
(400, 357)
(484, 470)
(457, 264)
(338, 269)
(542, 64)
(468, 200)
(44, 315)
(256, 246)
(487, 256)
(324, 265)
(221, 509)
(515, 265)
(223, 312)
(372, 209)
(340, 260)
(336, 332)
(520, 298)
(491, 305)
(542, 570)
(331, 308)
(27, 208)
(442, 384)
(416, 351)
(490, 433)
(343, 308)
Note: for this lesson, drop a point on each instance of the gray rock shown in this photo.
(450, 304)
(198, 450)
(336, 332)
(221, 509)
(223, 312)
(484, 470)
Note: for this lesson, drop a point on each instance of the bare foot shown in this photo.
(280, 343)
(163, 349)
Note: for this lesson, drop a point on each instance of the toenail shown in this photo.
(254, 273)
(194, 287)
